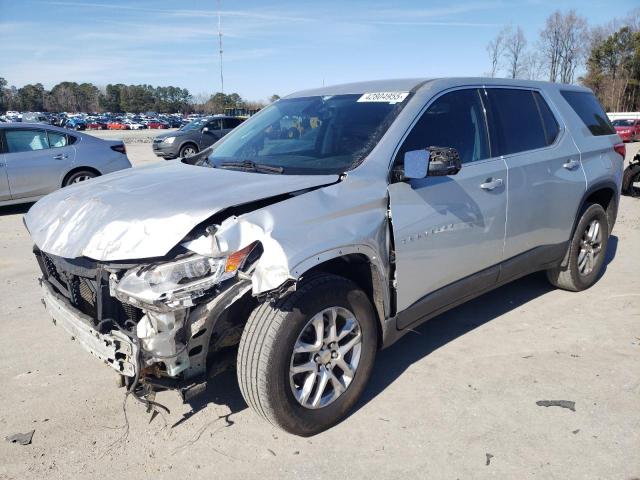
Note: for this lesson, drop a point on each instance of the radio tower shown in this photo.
(220, 46)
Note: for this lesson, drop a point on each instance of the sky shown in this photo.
(270, 46)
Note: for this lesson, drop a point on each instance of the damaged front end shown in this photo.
(155, 323)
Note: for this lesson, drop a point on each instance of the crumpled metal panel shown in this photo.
(144, 212)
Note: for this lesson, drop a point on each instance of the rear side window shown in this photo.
(19, 140)
(231, 122)
(590, 111)
(515, 121)
(549, 122)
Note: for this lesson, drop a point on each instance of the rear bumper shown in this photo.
(115, 348)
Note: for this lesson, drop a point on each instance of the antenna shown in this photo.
(220, 46)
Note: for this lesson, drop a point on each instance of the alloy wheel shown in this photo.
(590, 248)
(325, 357)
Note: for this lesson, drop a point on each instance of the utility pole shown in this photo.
(220, 47)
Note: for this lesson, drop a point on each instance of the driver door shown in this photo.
(213, 134)
(448, 231)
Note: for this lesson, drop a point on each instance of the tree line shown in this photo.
(609, 55)
(86, 97)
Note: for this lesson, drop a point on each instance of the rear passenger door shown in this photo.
(546, 180)
(447, 229)
(35, 166)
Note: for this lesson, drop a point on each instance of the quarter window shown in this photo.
(590, 111)
(455, 120)
(23, 140)
(57, 140)
(516, 123)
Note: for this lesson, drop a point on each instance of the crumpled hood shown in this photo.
(144, 212)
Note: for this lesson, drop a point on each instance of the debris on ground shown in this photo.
(557, 403)
(575, 432)
(21, 438)
(489, 457)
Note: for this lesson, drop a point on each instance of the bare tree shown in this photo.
(515, 45)
(532, 65)
(495, 48)
(562, 43)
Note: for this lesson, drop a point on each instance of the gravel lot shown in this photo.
(455, 399)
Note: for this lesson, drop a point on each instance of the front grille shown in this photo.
(86, 285)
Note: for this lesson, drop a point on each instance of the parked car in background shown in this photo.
(193, 137)
(117, 125)
(96, 125)
(134, 125)
(36, 159)
(75, 124)
(35, 117)
(157, 124)
(627, 128)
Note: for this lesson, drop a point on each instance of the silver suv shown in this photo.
(297, 255)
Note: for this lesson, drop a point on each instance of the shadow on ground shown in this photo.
(20, 208)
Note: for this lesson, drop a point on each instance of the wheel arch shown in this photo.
(361, 268)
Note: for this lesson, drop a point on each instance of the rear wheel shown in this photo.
(188, 150)
(79, 176)
(587, 250)
(304, 361)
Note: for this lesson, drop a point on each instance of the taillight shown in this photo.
(119, 148)
(620, 149)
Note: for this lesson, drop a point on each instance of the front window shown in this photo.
(309, 135)
(194, 125)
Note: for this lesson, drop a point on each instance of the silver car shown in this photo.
(36, 159)
(296, 257)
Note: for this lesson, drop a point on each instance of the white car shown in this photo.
(135, 125)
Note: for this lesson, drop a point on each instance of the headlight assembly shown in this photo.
(171, 285)
(169, 140)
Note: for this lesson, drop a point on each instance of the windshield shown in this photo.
(622, 123)
(309, 135)
(194, 125)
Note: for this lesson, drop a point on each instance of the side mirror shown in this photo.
(205, 130)
(431, 162)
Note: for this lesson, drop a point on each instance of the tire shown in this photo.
(188, 150)
(79, 176)
(587, 251)
(266, 356)
(631, 176)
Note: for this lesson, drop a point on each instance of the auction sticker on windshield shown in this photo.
(385, 97)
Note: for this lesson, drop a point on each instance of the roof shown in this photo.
(408, 84)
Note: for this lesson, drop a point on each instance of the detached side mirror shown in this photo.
(431, 162)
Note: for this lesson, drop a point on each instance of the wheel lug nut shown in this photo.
(316, 358)
(329, 366)
(334, 354)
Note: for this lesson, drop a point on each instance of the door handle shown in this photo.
(571, 164)
(60, 156)
(491, 184)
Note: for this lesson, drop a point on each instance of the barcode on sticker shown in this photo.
(385, 97)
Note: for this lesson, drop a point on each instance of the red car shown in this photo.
(117, 125)
(157, 124)
(96, 125)
(627, 128)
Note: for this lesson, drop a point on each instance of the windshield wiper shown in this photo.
(252, 166)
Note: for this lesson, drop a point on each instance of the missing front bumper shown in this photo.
(115, 348)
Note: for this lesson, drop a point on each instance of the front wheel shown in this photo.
(188, 151)
(587, 250)
(304, 361)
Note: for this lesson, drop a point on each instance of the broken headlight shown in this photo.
(175, 284)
